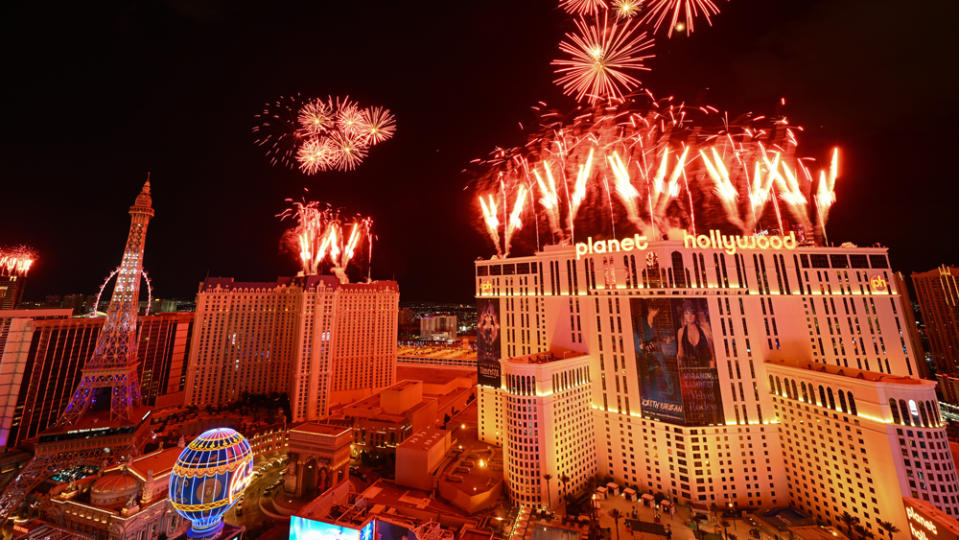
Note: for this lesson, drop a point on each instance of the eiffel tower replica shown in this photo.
(104, 421)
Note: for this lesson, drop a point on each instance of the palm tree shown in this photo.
(565, 480)
(616, 515)
(549, 495)
(850, 520)
(889, 527)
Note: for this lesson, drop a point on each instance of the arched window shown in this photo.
(852, 404)
(795, 392)
(904, 412)
(772, 384)
(822, 396)
(914, 411)
(832, 400)
(895, 411)
(779, 386)
(934, 412)
(922, 413)
(805, 392)
(679, 270)
(842, 401)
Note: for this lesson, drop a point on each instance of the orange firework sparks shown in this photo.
(627, 8)
(377, 125)
(319, 238)
(16, 261)
(656, 168)
(317, 135)
(602, 59)
(678, 15)
(582, 7)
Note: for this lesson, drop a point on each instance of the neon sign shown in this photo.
(714, 240)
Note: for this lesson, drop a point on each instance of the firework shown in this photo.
(677, 15)
(656, 165)
(315, 155)
(316, 117)
(349, 150)
(317, 135)
(826, 194)
(583, 7)
(377, 125)
(278, 130)
(16, 261)
(602, 58)
(321, 236)
(627, 8)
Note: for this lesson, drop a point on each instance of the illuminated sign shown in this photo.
(714, 240)
(926, 522)
(878, 283)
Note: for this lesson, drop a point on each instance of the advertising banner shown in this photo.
(676, 361)
(488, 342)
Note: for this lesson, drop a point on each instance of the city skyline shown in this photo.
(146, 107)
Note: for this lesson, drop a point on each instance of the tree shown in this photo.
(565, 480)
(616, 515)
(549, 495)
(889, 527)
(850, 520)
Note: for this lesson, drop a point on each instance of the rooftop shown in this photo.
(552, 355)
(424, 440)
(437, 351)
(433, 375)
(320, 429)
(852, 373)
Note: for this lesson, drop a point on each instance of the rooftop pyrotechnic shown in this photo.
(323, 236)
(16, 261)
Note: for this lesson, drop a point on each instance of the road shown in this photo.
(249, 507)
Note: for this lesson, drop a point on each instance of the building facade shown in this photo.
(438, 327)
(938, 294)
(679, 336)
(45, 352)
(322, 341)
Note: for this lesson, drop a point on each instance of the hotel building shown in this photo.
(938, 294)
(322, 341)
(44, 352)
(684, 341)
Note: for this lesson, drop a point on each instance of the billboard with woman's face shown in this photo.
(676, 361)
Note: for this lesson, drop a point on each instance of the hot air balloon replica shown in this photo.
(209, 477)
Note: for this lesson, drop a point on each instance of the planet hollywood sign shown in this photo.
(714, 240)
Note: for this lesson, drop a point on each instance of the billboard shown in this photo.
(676, 361)
(308, 529)
(488, 341)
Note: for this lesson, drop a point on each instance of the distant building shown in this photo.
(406, 316)
(319, 455)
(11, 291)
(938, 295)
(438, 327)
(321, 341)
(438, 355)
(44, 353)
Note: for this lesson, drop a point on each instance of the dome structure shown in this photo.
(114, 489)
(209, 477)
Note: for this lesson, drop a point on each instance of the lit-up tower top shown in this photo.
(109, 380)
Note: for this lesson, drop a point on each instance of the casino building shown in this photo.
(322, 341)
(745, 372)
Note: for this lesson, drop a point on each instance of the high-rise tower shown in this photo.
(109, 380)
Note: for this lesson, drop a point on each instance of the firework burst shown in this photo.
(677, 15)
(583, 7)
(316, 134)
(602, 58)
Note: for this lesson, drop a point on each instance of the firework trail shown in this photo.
(317, 134)
(492, 221)
(602, 58)
(678, 15)
(826, 194)
(16, 261)
(627, 8)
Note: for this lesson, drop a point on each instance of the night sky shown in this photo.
(96, 94)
